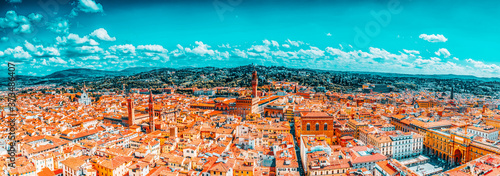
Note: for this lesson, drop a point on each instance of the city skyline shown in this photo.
(385, 36)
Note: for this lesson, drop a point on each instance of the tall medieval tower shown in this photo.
(151, 112)
(255, 82)
(130, 109)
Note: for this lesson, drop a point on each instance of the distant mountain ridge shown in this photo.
(86, 72)
(81, 72)
(81, 75)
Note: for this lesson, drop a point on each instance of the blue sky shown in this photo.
(400, 36)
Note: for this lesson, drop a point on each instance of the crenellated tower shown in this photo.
(255, 82)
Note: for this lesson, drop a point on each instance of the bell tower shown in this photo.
(151, 112)
(255, 82)
(130, 109)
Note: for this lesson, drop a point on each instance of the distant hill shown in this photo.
(434, 76)
(208, 77)
(92, 73)
(85, 72)
(136, 70)
(81, 72)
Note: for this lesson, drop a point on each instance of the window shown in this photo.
(317, 126)
(325, 126)
(308, 127)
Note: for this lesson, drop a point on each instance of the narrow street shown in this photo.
(297, 150)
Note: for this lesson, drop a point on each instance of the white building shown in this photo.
(487, 132)
(42, 161)
(406, 145)
(204, 92)
(139, 169)
(73, 167)
(84, 98)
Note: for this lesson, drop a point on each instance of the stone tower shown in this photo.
(255, 82)
(151, 112)
(130, 109)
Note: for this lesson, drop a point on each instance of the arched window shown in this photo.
(325, 127)
(308, 127)
(317, 126)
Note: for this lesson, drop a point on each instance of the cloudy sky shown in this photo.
(400, 36)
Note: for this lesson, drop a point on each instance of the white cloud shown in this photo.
(102, 34)
(85, 50)
(152, 52)
(294, 43)
(444, 52)
(111, 57)
(59, 26)
(178, 52)
(266, 42)
(328, 34)
(24, 28)
(313, 53)
(4, 39)
(91, 58)
(89, 6)
(19, 23)
(492, 68)
(381, 53)
(152, 48)
(44, 62)
(225, 46)
(47, 51)
(259, 48)
(40, 50)
(455, 58)
(57, 60)
(433, 38)
(240, 53)
(35, 17)
(75, 39)
(17, 54)
(286, 46)
(411, 51)
(200, 50)
(275, 43)
(29, 46)
(126, 49)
